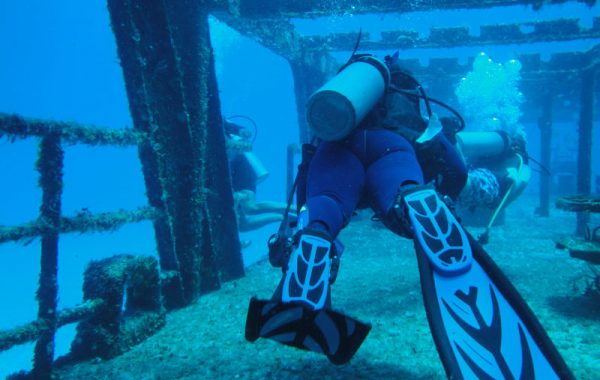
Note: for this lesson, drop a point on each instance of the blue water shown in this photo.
(58, 60)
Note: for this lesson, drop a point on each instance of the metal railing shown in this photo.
(114, 288)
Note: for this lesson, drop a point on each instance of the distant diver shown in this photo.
(498, 170)
(246, 172)
(375, 124)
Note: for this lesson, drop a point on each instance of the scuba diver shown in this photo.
(246, 169)
(246, 172)
(381, 145)
(498, 172)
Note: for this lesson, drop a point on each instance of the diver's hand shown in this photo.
(520, 177)
(434, 126)
(512, 174)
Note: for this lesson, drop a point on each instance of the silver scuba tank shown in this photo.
(336, 108)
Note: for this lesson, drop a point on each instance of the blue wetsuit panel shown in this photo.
(375, 161)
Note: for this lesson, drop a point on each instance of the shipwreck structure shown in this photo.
(168, 65)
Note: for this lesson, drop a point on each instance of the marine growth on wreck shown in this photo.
(122, 230)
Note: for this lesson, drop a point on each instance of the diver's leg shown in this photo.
(393, 167)
(299, 313)
(453, 171)
(335, 180)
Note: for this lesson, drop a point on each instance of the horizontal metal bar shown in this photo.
(31, 331)
(500, 34)
(17, 127)
(85, 221)
(318, 8)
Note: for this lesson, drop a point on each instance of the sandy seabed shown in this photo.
(378, 283)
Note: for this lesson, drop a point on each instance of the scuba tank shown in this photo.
(335, 109)
(259, 171)
(478, 144)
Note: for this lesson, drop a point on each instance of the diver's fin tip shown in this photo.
(323, 331)
(473, 309)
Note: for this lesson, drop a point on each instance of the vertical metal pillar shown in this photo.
(309, 73)
(50, 166)
(132, 30)
(168, 66)
(302, 90)
(584, 157)
(225, 244)
(545, 126)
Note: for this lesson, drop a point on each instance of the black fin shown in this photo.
(324, 331)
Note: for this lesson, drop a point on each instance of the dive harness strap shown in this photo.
(283, 241)
(480, 324)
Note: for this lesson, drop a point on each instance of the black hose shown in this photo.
(428, 99)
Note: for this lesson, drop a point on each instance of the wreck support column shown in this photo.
(309, 72)
(305, 83)
(584, 156)
(50, 166)
(545, 126)
(167, 61)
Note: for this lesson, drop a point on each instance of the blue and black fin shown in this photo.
(299, 313)
(482, 327)
(323, 331)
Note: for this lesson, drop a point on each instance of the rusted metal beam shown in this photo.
(497, 34)
(50, 166)
(545, 127)
(83, 222)
(318, 8)
(277, 35)
(593, 57)
(16, 127)
(309, 73)
(138, 66)
(584, 157)
(31, 331)
(167, 61)
(560, 66)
